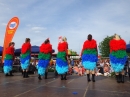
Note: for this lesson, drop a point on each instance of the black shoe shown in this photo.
(93, 77)
(6, 74)
(122, 79)
(26, 74)
(45, 75)
(118, 78)
(62, 77)
(11, 73)
(65, 76)
(88, 77)
(39, 77)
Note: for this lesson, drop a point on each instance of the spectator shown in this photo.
(70, 68)
(106, 70)
(72, 62)
(80, 73)
(100, 67)
(76, 69)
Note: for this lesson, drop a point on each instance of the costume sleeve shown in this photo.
(96, 49)
(50, 49)
(66, 48)
(12, 51)
(23, 49)
(40, 48)
(58, 46)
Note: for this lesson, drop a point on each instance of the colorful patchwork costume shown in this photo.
(44, 58)
(118, 56)
(89, 54)
(8, 61)
(61, 61)
(25, 57)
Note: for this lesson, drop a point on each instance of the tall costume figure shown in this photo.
(118, 56)
(61, 61)
(89, 57)
(25, 57)
(44, 58)
(9, 57)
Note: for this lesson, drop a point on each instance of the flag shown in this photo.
(10, 31)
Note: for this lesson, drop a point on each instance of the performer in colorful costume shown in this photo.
(61, 61)
(44, 58)
(118, 57)
(25, 57)
(89, 57)
(9, 57)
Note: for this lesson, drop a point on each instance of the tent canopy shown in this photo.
(128, 48)
(34, 49)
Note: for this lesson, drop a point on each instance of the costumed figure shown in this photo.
(8, 61)
(25, 57)
(61, 61)
(44, 58)
(118, 57)
(89, 57)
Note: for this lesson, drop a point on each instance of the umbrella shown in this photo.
(128, 48)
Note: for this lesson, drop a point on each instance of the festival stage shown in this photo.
(75, 86)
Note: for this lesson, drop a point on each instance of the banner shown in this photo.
(10, 31)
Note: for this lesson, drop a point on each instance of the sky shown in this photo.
(74, 19)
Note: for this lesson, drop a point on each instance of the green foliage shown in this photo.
(104, 46)
(128, 54)
(113, 74)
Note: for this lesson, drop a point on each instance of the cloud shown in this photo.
(38, 28)
(3, 24)
(2, 4)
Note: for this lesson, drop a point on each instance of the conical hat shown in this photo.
(60, 39)
(64, 39)
(117, 37)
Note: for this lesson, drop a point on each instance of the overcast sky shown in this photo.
(75, 19)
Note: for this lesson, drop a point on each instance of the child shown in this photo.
(106, 70)
(80, 73)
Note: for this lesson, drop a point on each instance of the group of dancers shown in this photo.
(89, 56)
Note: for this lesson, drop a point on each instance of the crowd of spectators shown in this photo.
(103, 68)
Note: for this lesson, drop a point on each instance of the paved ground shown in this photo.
(75, 86)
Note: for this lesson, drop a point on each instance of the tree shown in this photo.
(128, 54)
(104, 46)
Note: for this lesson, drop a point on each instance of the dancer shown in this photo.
(9, 58)
(61, 61)
(89, 57)
(44, 58)
(25, 57)
(118, 57)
